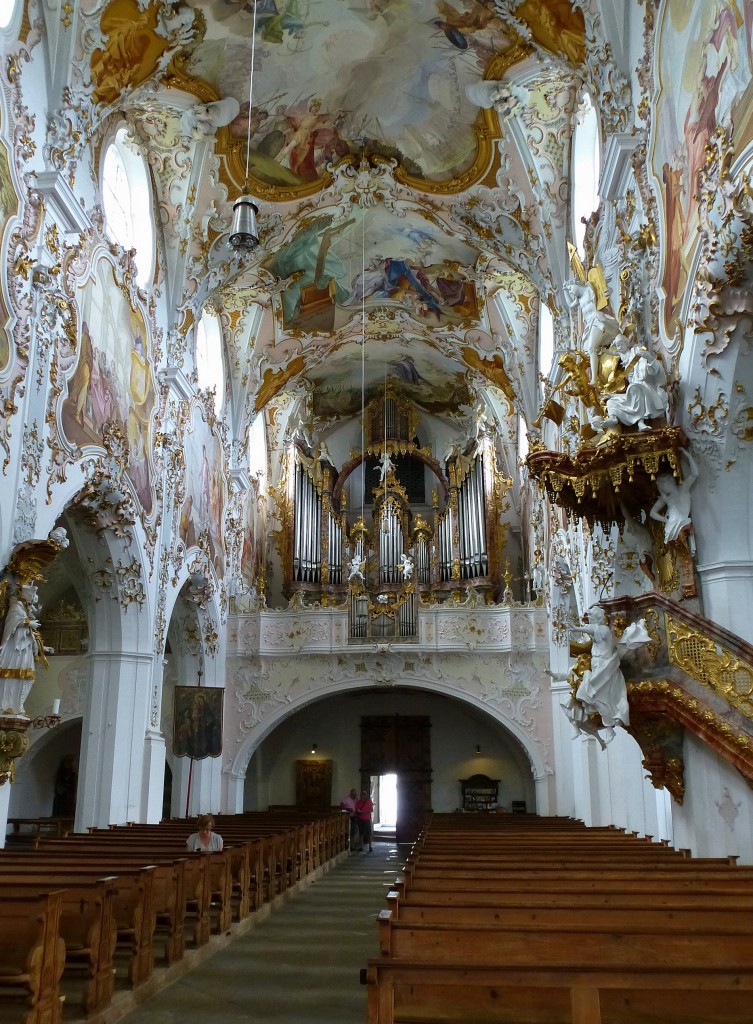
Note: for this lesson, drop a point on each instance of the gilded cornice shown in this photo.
(665, 697)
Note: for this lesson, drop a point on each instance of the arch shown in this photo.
(210, 357)
(126, 191)
(416, 453)
(539, 768)
(585, 168)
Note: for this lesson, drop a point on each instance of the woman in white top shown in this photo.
(204, 840)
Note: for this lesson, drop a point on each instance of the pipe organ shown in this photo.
(384, 570)
(307, 520)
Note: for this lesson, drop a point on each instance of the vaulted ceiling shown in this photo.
(410, 159)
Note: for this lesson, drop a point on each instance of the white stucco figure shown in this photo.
(21, 647)
(602, 689)
(386, 465)
(59, 536)
(599, 328)
(645, 397)
(672, 507)
(406, 564)
(206, 118)
(355, 569)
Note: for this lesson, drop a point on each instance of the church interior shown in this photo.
(406, 450)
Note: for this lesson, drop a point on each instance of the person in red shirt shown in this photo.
(364, 811)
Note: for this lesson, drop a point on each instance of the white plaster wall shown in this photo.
(334, 725)
(605, 787)
(716, 817)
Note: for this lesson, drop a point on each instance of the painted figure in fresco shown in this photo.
(646, 395)
(205, 488)
(78, 389)
(459, 25)
(599, 328)
(21, 647)
(672, 507)
(698, 130)
(309, 261)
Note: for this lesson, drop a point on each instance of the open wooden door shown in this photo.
(400, 744)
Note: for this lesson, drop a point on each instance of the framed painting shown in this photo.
(197, 721)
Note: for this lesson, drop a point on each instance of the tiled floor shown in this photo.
(300, 965)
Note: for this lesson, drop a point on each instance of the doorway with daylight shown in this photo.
(384, 795)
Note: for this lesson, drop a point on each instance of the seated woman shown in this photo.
(204, 840)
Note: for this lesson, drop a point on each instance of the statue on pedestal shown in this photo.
(21, 647)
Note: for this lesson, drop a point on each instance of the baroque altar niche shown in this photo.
(393, 527)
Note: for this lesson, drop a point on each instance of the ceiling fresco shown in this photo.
(423, 375)
(374, 257)
(338, 77)
(396, 194)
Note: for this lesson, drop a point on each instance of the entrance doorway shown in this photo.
(384, 795)
(400, 744)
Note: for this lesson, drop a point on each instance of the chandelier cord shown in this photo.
(363, 364)
(250, 95)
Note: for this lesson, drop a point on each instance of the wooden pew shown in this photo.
(32, 956)
(163, 921)
(598, 956)
(422, 992)
(87, 926)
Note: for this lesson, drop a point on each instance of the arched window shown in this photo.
(210, 365)
(7, 10)
(127, 201)
(522, 439)
(546, 339)
(257, 451)
(586, 167)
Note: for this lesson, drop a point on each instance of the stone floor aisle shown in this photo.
(300, 965)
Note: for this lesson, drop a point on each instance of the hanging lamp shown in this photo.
(244, 234)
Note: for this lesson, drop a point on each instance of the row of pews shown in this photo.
(83, 914)
(544, 921)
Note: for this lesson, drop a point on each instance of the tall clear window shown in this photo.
(210, 365)
(257, 450)
(546, 339)
(127, 202)
(586, 167)
(7, 10)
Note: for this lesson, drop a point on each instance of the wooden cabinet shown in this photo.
(479, 793)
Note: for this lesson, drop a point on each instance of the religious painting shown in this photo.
(426, 377)
(339, 77)
(8, 208)
(374, 258)
(254, 539)
(204, 505)
(705, 64)
(112, 382)
(197, 721)
(313, 785)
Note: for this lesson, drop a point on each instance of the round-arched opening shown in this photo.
(127, 202)
(586, 168)
(462, 741)
(210, 364)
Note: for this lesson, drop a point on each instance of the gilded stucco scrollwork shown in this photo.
(710, 664)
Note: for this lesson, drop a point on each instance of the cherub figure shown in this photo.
(406, 565)
(386, 465)
(355, 569)
(672, 507)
